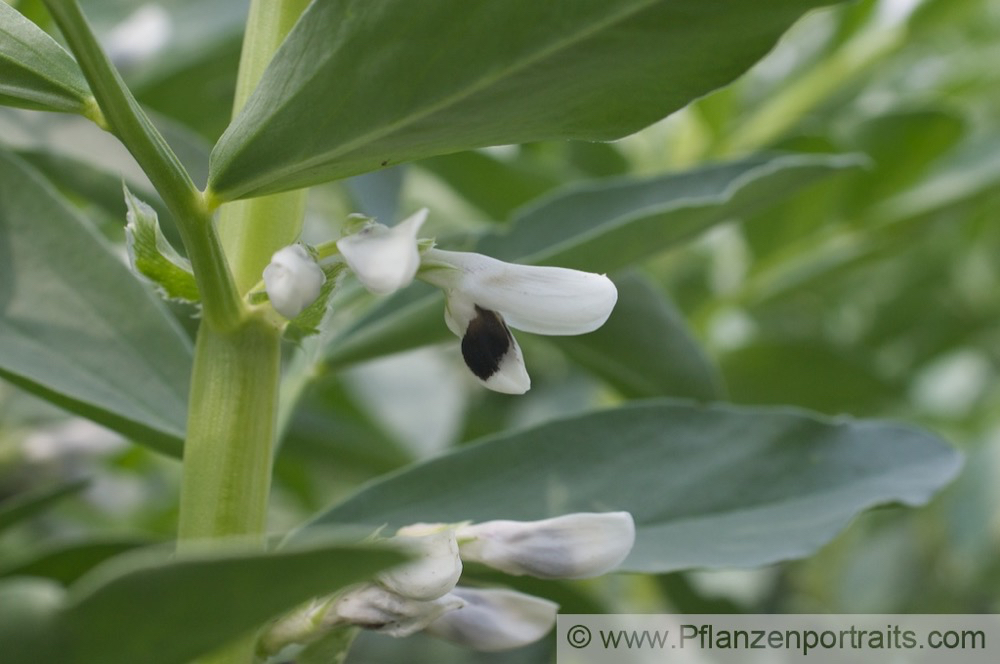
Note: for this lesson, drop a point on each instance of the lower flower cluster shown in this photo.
(424, 595)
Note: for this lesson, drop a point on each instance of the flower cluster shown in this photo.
(485, 297)
(423, 593)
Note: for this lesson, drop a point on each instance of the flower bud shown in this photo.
(435, 570)
(384, 259)
(373, 607)
(572, 546)
(293, 280)
(495, 619)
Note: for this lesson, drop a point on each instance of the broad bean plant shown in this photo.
(210, 250)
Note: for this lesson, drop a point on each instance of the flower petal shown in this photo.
(538, 299)
(384, 259)
(493, 355)
(293, 280)
(495, 619)
(572, 546)
(373, 607)
(433, 573)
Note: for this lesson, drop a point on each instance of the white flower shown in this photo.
(495, 619)
(376, 608)
(293, 280)
(571, 546)
(433, 573)
(384, 259)
(485, 295)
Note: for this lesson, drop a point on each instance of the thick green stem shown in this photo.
(234, 396)
(231, 425)
(252, 230)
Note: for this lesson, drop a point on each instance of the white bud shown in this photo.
(572, 546)
(384, 259)
(373, 607)
(495, 619)
(435, 570)
(293, 280)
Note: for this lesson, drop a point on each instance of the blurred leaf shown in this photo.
(971, 170)
(708, 486)
(496, 187)
(77, 328)
(25, 505)
(903, 145)
(600, 226)
(453, 75)
(187, 606)
(35, 72)
(66, 563)
(809, 374)
(607, 224)
(685, 597)
(377, 194)
(328, 427)
(199, 61)
(645, 348)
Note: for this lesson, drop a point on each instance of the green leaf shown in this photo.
(645, 348)
(602, 226)
(608, 224)
(708, 486)
(152, 256)
(453, 75)
(35, 72)
(78, 329)
(22, 506)
(67, 562)
(190, 605)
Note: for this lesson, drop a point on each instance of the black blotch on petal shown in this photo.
(486, 341)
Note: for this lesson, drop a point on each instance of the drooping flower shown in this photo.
(433, 573)
(293, 280)
(571, 546)
(493, 619)
(486, 295)
(384, 259)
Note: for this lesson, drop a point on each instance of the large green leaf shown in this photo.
(76, 327)
(147, 607)
(602, 226)
(708, 486)
(35, 72)
(360, 84)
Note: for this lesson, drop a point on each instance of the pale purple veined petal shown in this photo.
(494, 619)
(571, 546)
(434, 571)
